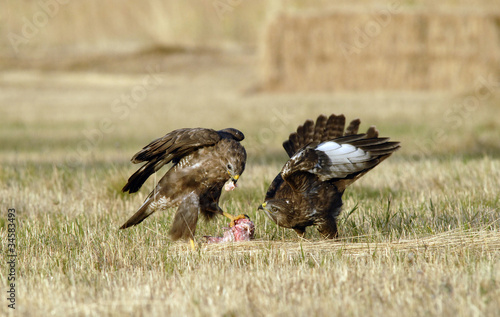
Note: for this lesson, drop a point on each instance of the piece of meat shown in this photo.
(243, 230)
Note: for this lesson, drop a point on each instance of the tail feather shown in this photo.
(141, 214)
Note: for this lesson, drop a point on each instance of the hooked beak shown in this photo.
(231, 184)
(266, 211)
(235, 178)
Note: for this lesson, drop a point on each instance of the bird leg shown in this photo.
(301, 232)
(193, 246)
(233, 218)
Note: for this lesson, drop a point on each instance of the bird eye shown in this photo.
(274, 209)
(229, 166)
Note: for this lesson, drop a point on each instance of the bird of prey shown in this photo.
(203, 162)
(324, 160)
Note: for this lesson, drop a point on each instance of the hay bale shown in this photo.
(381, 49)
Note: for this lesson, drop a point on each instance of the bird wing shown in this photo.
(176, 144)
(324, 129)
(171, 147)
(274, 187)
(342, 160)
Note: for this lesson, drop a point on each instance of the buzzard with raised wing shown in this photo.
(324, 160)
(203, 162)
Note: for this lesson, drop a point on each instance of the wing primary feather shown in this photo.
(353, 127)
(137, 179)
(153, 149)
(305, 134)
(319, 129)
(384, 152)
(300, 136)
(294, 139)
(381, 146)
(308, 136)
(372, 132)
(334, 127)
(369, 142)
(288, 146)
(349, 138)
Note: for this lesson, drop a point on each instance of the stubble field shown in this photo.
(419, 234)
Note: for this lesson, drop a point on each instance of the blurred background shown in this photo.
(93, 80)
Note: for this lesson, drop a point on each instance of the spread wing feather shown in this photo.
(334, 127)
(324, 129)
(372, 132)
(333, 159)
(353, 127)
(341, 160)
(319, 129)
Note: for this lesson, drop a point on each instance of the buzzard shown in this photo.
(203, 161)
(324, 160)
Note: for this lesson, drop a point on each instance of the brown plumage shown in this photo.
(204, 160)
(324, 160)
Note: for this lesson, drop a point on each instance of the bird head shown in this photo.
(233, 177)
(276, 209)
(234, 168)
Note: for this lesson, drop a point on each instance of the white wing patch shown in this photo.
(343, 153)
(328, 146)
(343, 159)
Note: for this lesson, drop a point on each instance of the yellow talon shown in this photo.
(228, 215)
(233, 218)
(231, 224)
(193, 246)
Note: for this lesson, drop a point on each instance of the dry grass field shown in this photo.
(420, 233)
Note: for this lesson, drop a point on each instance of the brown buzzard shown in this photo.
(324, 160)
(204, 161)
